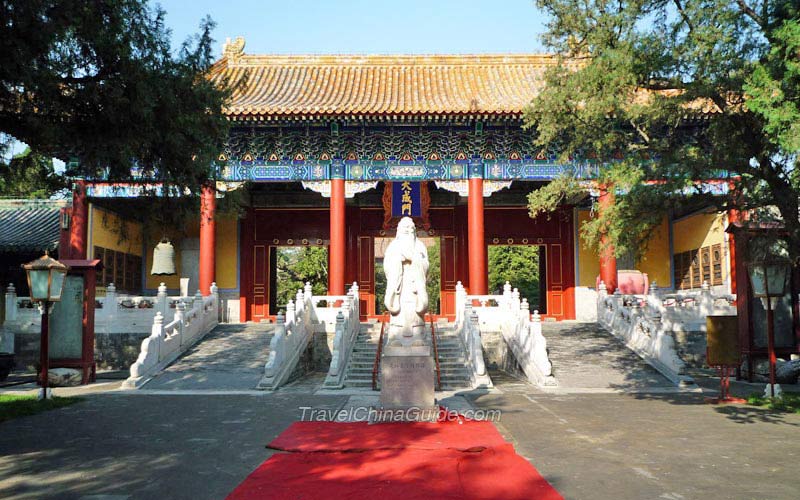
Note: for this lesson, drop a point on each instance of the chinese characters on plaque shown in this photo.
(406, 199)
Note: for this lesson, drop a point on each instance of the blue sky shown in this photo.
(362, 26)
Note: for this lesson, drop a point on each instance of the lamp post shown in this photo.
(46, 282)
(768, 280)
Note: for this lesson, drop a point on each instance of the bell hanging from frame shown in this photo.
(163, 259)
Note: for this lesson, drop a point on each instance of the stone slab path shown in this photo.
(231, 357)
(584, 356)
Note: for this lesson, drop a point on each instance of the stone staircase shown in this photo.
(362, 359)
(452, 362)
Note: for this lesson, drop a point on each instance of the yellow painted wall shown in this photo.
(588, 261)
(656, 260)
(109, 230)
(227, 251)
(698, 231)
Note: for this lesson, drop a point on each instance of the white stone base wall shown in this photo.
(229, 306)
(585, 304)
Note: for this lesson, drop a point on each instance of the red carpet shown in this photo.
(357, 436)
(394, 461)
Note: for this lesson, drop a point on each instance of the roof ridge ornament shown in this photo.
(235, 49)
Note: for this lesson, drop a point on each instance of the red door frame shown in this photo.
(265, 227)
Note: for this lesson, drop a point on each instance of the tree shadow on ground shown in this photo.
(740, 413)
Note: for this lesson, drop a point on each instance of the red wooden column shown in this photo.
(208, 238)
(246, 266)
(338, 245)
(734, 218)
(79, 226)
(608, 263)
(476, 239)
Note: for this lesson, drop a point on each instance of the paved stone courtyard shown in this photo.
(613, 430)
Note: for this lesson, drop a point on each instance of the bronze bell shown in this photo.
(164, 259)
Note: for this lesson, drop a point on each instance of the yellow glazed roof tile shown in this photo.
(290, 85)
(350, 85)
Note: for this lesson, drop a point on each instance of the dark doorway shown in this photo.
(292, 267)
(524, 266)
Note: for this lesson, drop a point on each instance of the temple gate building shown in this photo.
(327, 148)
(328, 152)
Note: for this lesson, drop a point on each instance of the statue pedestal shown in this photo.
(407, 383)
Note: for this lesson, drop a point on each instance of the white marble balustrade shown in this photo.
(648, 323)
(192, 319)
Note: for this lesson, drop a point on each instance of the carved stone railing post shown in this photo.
(706, 302)
(308, 290)
(11, 304)
(338, 345)
(507, 289)
(197, 301)
(290, 310)
(162, 300)
(110, 305)
(536, 322)
(618, 297)
(7, 329)
(158, 333)
(476, 349)
(525, 310)
(347, 309)
(461, 296)
(654, 305)
(276, 347)
(180, 315)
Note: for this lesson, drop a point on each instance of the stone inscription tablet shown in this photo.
(407, 381)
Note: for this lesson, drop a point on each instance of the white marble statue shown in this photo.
(406, 266)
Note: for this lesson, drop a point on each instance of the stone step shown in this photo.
(366, 382)
(462, 381)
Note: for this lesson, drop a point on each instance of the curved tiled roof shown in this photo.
(27, 226)
(292, 86)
